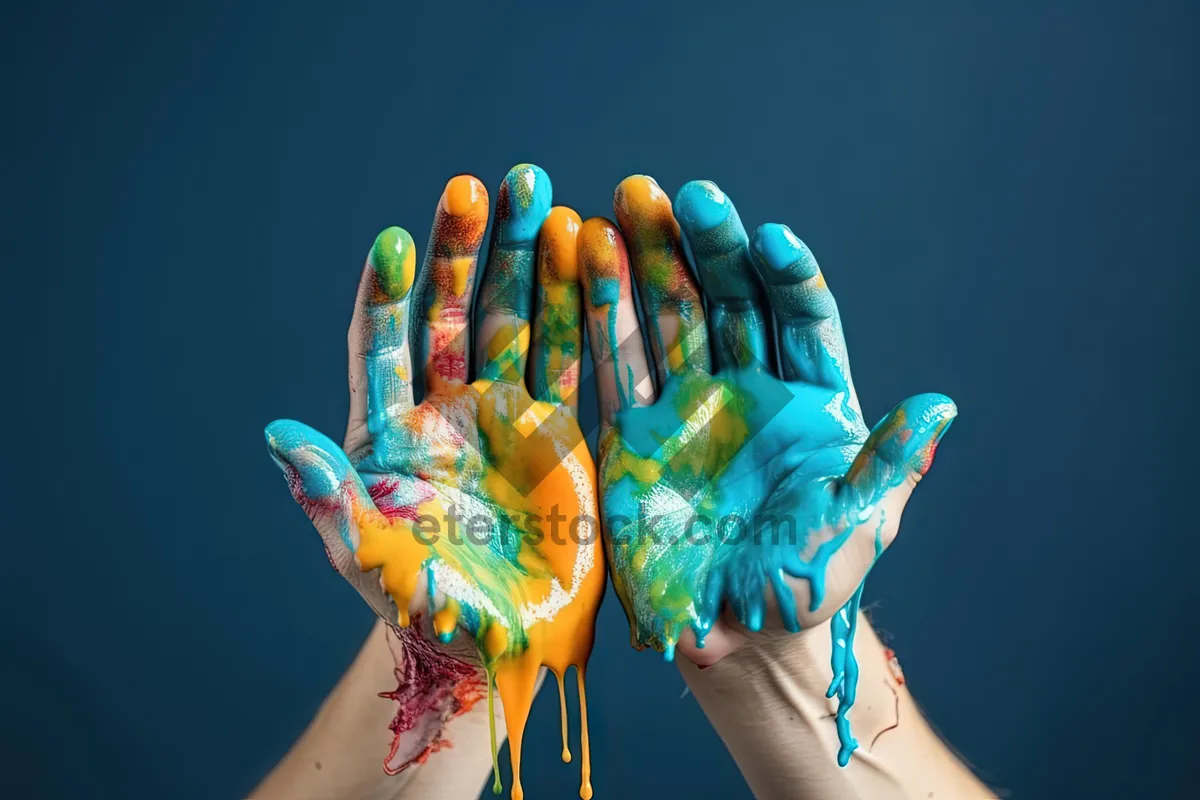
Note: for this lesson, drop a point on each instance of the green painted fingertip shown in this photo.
(394, 259)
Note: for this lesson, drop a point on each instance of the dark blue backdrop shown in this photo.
(1004, 196)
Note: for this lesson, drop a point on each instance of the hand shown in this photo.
(434, 512)
(746, 494)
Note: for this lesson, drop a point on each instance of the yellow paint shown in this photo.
(401, 372)
(646, 471)
(675, 354)
(446, 620)
(558, 639)
(460, 270)
(509, 343)
(559, 294)
(562, 713)
(585, 787)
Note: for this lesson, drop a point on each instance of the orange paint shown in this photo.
(557, 586)
(558, 262)
(463, 195)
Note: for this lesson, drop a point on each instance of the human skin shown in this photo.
(741, 488)
(764, 691)
(434, 511)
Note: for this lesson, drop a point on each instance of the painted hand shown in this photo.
(742, 492)
(476, 508)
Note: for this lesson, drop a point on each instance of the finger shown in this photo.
(721, 250)
(332, 494)
(447, 278)
(898, 453)
(671, 304)
(505, 302)
(558, 326)
(812, 348)
(618, 355)
(380, 359)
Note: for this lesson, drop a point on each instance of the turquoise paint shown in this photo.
(811, 346)
(720, 248)
(701, 206)
(507, 286)
(788, 480)
(843, 662)
(529, 195)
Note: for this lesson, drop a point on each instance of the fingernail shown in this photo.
(394, 261)
(523, 203)
(701, 206)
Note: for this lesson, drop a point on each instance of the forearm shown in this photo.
(767, 702)
(341, 753)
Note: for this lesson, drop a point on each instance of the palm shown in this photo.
(472, 470)
(745, 466)
(747, 487)
(437, 513)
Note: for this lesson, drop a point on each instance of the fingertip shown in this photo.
(601, 248)
(936, 412)
(779, 253)
(603, 260)
(558, 246)
(701, 206)
(523, 203)
(641, 205)
(393, 261)
(464, 196)
(910, 434)
(283, 436)
(319, 463)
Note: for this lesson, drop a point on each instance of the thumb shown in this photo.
(899, 451)
(329, 490)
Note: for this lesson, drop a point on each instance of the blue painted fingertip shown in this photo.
(701, 206)
(779, 250)
(524, 202)
(320, 464)
(926, 418)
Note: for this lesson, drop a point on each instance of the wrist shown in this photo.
(767, 700)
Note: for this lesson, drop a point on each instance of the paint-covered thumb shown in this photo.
(901, 447)
(317, 470)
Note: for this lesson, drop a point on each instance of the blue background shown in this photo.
(1003, 195)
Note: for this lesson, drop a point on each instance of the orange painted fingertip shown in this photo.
(558, 246)
(465, 196)
(601, 250)
(643, 208)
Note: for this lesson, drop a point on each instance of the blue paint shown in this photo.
(794, 476)
(529, 195)
(714, 233)
(843, 662)
(701, 206)
(784, 252)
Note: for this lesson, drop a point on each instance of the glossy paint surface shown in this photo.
(735, 488)
(454, 505)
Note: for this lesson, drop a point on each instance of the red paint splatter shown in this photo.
(894, 665)
(433, 689)
(382, 493)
